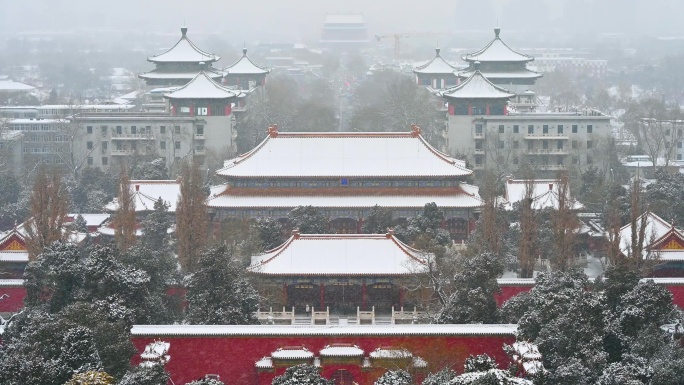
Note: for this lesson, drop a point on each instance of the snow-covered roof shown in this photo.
(264, 363)
(545, 193)
(323, 330)
(202, 87)
(10, 85)
(184, 51)
(502, 376)
(11, 282)
(179, 75)
(526, 74)
(435, 66)
(341, 350)
(146, 192)
(91, 219)
(390, 353)
(344, 155)
(14, 256)
(669, 246)
(497, 51)
(458, 200)
(655, 228)
(244, 66)
(477, 87)
(515, 281)
(292, 353)
(340, 255)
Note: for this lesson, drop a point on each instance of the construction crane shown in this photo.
(398, 37)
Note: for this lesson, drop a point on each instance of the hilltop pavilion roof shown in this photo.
(184, 51)
(435, 66)
(477, 87)
(245, 66)
(497, 51)
(340, 255)
(343, 155)
(655, 228)
(545, 193)
(202, 87)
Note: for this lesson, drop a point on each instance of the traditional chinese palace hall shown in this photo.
(341, 272)
(346, 174)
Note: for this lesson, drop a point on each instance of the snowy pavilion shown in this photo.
(437, 73)
(180, 63)
(346, 174)
(244, 74)
(340, 272)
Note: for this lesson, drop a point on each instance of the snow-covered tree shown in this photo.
(155, 227)
(378, 221)
(309, 220)
(49, 206)
(490, 377)
(270, 233)
(146, 375)
(473, 289)
(219, 293)
(479, 363)
(442, 377)
(301, 375)
(395, 377)
(91, 378)
(153, 170)
(206, 381)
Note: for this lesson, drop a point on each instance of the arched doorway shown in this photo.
(342, 377)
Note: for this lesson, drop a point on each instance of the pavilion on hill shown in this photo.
(339, 271)
(346, 174)
(244, 74)
(180, 64)
(437, 73)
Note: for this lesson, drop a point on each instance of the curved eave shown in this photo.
(206, 56)
(476, 56)
(162, 75)
(336, 275)
(257, 70)
(497, 75)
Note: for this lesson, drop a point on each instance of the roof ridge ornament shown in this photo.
(184, 30)
(415, 130)
(497, 31)
(273, 131)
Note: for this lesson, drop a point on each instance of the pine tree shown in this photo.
(146, 375)
(155, 227)
(270, 233)
(49, 207)
(442, 377)
(378, 221)
(309, 220)
(301, 375)
(219, 293)
(91, 378)
(395, 377)
(206, 381)
(125, 224)
(192, 220)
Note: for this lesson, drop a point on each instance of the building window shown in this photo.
(590, 128)
(530, 129)
(559, 144)
(176, 130)
(561, 160)
(134, 130)
(134, 146)
(501, 144)
(516, 129)
(177, 145)
(162, 129)
(679, 156)
(545, 129)
(200, 130)
(590, 144)
(574, 128)
(478, 160)
(501, 128)
(162, 145)
(103, 146)
(545, 144)
(516, 144)
(89, 145)
(478, 129)
(105, 161)
(103, 131)
(560, 128)
(90, 161)
(574, 160)
(478, 145)
(530, 145)
(590, 160)
(89, 129)
(679, 144)
(119, 130)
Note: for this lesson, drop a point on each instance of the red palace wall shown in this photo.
(508, 292)
(12, 298)
(234, 357)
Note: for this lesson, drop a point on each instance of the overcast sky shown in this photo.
(301, 19)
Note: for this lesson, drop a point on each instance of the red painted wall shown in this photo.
(508, 292)
(677, 294)
(13, 298)
(233, 357)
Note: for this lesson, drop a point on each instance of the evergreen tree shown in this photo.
(442, 377)
(309, 220)
(378, 221)
(425, 229)
(395, 377)
(80, 224)
(301, 375)
(153, 170)
(192, 220)
(206, 381)
(146, 375)
(479, 363)
(49, 206)
(270, 233)
(219, 293)
(91, 378)
(155, 227)
(474, 287)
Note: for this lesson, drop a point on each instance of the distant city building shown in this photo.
(437, 73)
(11, 151)
(344, 32)
(180, 64)
(558, 61)
(346, 175)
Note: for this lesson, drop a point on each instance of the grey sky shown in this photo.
(301, 19)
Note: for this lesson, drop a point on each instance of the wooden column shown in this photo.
(364, 296)
(487, 109)
(470, 109)
(322, 295)
(284, 294)
(401, 296)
